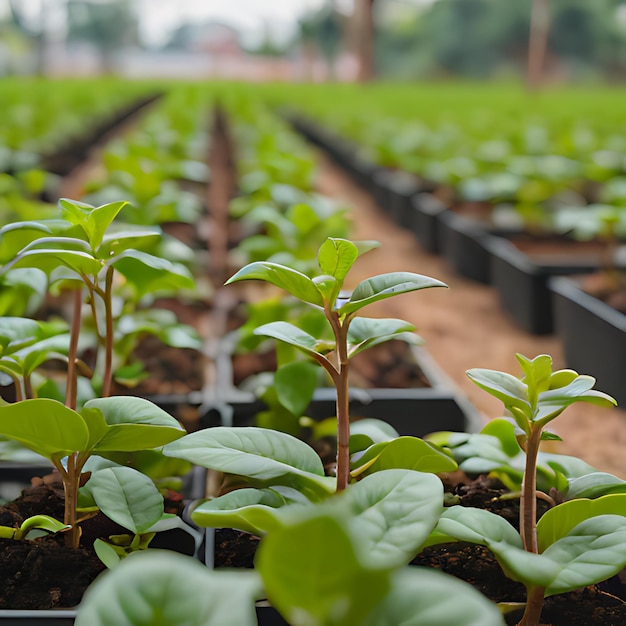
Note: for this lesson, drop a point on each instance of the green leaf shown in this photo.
(507, 388)
(288, 333)
(561, 519)
(593, 551)
(264, 455)
(365, 432)
(594, 485)
(94, 220)
(45, 426)
(366, 332)
(17, 331)
(128, 497)
(251, 510)
(390, 514)
(313, 575)
(463, 523)
(336, 257)
(48, 260)
(425, 597)
(295, 384)
(385, 286)
(134, 424)
(162, 588)
(149, 273)
(296, 283)
(406, 453)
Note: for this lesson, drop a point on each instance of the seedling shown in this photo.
(351, 334)
(576, 543)
(68, 437)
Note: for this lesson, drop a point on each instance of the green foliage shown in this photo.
(165, 589)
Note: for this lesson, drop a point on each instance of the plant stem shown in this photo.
(343, 408)
(108, 346)
(528, 504)
(28, 386)
(71, 484)
(534, 604)
(72, 374)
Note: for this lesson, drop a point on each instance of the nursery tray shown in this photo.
(521, 281)
(411, 411)
(593, 335)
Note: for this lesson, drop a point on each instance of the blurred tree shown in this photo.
(477, 38)
(364, 35)
(323, 31)
(108, 26)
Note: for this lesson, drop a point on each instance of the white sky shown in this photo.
(160, 17)
(249, 16)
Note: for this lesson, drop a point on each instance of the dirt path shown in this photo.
(464, 327)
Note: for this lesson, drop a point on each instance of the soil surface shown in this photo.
(464, 326)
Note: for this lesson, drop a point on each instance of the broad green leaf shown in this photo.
(251, 510)
(134, 424)
(94, 220)
(406, 453)
(17, 331)
(295, 384)
(128, 497)
(553, 401)
(463, 523)
(162, 588)
(504, 430)
(296, 283)
(16, 235)
(113, 243)
(149, 273)
(365, 432)
(385, 286)
(425, 597)
(284, 331)
(313, 575)
(48, 260)
(561, 519)
(366, 332)
(336, 257)
(594, 485)
(507, 388)
(390, 514)
(257, 453)
(593, 551)
(46, 427)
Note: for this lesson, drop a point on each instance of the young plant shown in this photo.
(84, 249)
(132, 500)
(311, 570)
(577, 543)
(351, 334)
(68, 437)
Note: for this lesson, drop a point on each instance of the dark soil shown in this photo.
(387, 366)
(44, 573)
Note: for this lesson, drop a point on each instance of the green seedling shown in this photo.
(32, 527)
(577, 544)
(311, 570)
(85, 250)
(132, 500)
(68, 437)
(352, 334)
(496, 451)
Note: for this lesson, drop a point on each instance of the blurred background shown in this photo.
(555, 41)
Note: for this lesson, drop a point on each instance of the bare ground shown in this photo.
(464, 326)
